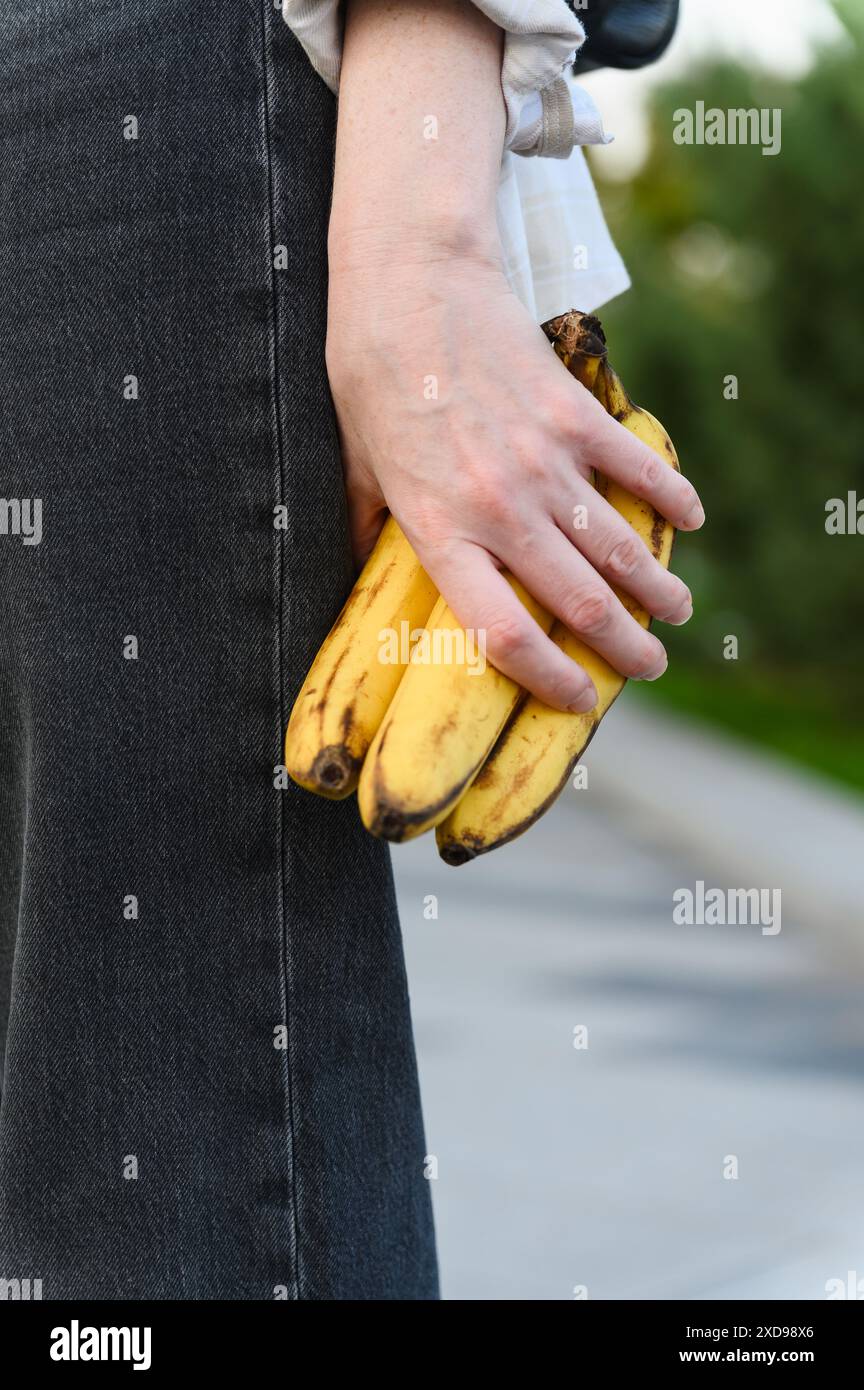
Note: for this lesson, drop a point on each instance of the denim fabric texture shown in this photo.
(209, 1087)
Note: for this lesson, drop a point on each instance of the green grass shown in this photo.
(781, 715)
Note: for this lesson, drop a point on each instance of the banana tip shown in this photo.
(393, 826)
(334, 770)
(456, 855)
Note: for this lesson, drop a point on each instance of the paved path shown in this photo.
(604, 1166)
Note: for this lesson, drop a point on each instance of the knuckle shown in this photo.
(624, 557)
(533, 469)
(650, 471)
(431, 523)
(562, 410)
(526, 541)
(590, 611)
(588, 431)
(505, 636)
(484, 497)
(530, 449)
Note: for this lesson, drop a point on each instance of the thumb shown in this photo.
(366, 516)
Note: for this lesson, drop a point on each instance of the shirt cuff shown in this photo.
(556, 119)
(541, 38)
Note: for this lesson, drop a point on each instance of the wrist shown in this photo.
(384, 237)
(385, 292)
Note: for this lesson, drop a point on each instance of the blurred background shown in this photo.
(619, 1106)
(754, 266)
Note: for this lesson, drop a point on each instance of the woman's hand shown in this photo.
(454, 412)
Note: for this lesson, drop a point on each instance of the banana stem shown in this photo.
(610, 392)
(579, 341)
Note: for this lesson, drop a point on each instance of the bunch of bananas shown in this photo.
(429, 742)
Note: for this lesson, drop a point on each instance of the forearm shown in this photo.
(453, 412)
(420, 134)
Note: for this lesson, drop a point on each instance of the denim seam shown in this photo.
(280, 663)
(18, 935)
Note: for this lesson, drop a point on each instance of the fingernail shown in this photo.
(683, 614)
(695, 517)
(587, 700)
(656, 671)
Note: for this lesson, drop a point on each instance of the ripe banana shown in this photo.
(536, 753)
(446, 717)
(441, 726)
(351, 683)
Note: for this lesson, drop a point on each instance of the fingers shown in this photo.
(484, 603)
(566, 583)
(621, 556)
(613, 450)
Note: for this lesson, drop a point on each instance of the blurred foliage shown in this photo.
(752, 265)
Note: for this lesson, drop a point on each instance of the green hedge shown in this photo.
(753, 266)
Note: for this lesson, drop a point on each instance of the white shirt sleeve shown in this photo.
(557, 251)
(541, 38)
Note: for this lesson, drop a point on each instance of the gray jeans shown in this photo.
(209, 1088)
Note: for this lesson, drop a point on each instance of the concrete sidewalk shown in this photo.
(741, 813)
(708, 1046)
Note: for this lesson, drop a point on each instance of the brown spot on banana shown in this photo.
(657, 533)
